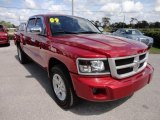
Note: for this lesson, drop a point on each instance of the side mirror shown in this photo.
(36, 30)
(100, 29)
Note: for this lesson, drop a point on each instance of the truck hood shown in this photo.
(108, 45)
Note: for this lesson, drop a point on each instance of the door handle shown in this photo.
(40, 45)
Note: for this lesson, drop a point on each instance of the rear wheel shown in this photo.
(21, 55)
(62, 87)
(8, 44)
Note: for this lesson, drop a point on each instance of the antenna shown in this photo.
(72, 7)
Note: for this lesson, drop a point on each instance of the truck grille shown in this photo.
(123, 67)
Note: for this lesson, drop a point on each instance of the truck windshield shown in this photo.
(71, 25)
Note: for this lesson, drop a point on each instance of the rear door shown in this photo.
(20, 32)
(29, 39)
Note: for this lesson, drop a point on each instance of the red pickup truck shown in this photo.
(4, 36)
(80, 61)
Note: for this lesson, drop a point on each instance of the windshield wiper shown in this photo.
(89, 32)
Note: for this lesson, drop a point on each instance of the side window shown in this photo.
(31, 23)
(118, 31)
(22, 27)
(122, 31)
(39, 23)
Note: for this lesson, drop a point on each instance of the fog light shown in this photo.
(99, 91)
(94, 90)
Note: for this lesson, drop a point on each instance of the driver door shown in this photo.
(41, 42)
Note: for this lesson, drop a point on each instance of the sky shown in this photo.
(17, 11)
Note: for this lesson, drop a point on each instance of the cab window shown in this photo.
(39, 23)
(31, 23)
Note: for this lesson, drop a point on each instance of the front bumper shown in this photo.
(109, 88)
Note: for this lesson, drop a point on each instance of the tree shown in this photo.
(142, 24)
(97, 23)
(157, 24)
(7, 24)
(119, 25)
(145, 24)
(105, 22)
(133, 22)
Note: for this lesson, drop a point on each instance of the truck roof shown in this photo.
(48, 15)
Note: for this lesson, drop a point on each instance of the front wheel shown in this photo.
(62, 87)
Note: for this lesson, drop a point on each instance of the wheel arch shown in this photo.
(53, 62)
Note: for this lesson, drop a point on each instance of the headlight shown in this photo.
(93, 66)
(151, 40)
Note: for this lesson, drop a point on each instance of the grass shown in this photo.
(154, 50)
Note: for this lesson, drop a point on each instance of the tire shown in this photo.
(62, 87)
(23, 59)
(8, 44)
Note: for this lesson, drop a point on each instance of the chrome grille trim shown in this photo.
(135, 65)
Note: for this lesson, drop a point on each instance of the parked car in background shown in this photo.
(22, 27)
(4, 36)
(134, 34)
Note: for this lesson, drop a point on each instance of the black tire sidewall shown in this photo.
(19, 49)
(24, 58)
(69, 94)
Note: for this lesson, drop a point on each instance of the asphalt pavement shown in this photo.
(25, 94)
